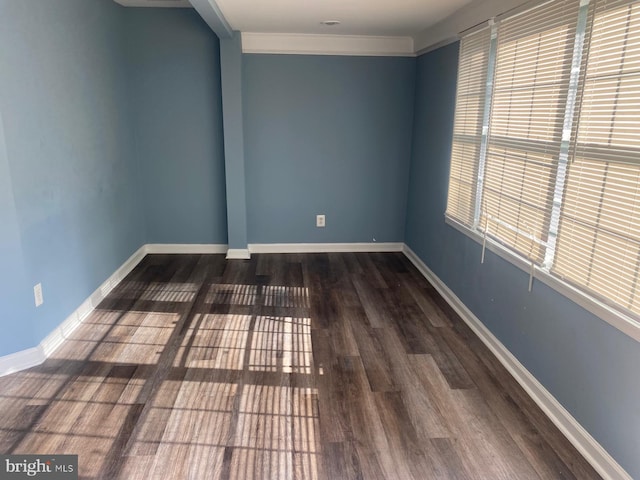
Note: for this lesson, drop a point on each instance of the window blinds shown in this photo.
(467, 129)
(599, 238)
(546, 146)
(531, 84)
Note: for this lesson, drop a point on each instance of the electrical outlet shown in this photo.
(37, 294)
(319, 220)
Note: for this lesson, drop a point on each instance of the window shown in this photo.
(546, 148)
(467, 129)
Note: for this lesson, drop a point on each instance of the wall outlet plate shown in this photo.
(320, 221)
(37, 295)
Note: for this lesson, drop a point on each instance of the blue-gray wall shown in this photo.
(67, 161)
(110, 137)
(231, 66)
(15, 319)
(174, 70)
(326, 134)
(589, 366)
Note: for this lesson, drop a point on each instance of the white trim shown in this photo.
(191, 248)
(155, 3)
(442, 43)
(592, 451)
(35, 356)
(14, 362)
(610, 315)
(238, 254)
(309, 44)
(62, 331)
(324, 247)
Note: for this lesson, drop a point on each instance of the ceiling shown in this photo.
(356, 17)
(394, 18)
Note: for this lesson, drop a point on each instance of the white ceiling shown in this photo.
(357, 17)
(367, 27)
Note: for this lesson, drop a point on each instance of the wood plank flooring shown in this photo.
(309, 367)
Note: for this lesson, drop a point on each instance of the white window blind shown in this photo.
(467, 130)
(546, 148)
(531, 84)
(599, 237)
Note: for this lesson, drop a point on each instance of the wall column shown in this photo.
(231, 72)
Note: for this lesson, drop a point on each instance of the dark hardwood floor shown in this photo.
(324, 366)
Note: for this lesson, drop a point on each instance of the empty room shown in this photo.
(320, 240)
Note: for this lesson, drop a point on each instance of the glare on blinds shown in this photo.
(467, 129)
(599, 238)
(532, 76)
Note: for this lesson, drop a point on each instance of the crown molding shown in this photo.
(306, 44)
(155, 3)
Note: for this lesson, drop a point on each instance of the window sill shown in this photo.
(615, 318)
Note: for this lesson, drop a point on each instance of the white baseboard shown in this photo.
(35, 356)
(590, 449)
(191, 248)
(324, 247)
(238, 254)
(14, 362)
(62, 331)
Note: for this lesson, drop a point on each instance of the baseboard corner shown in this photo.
(238, 254)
